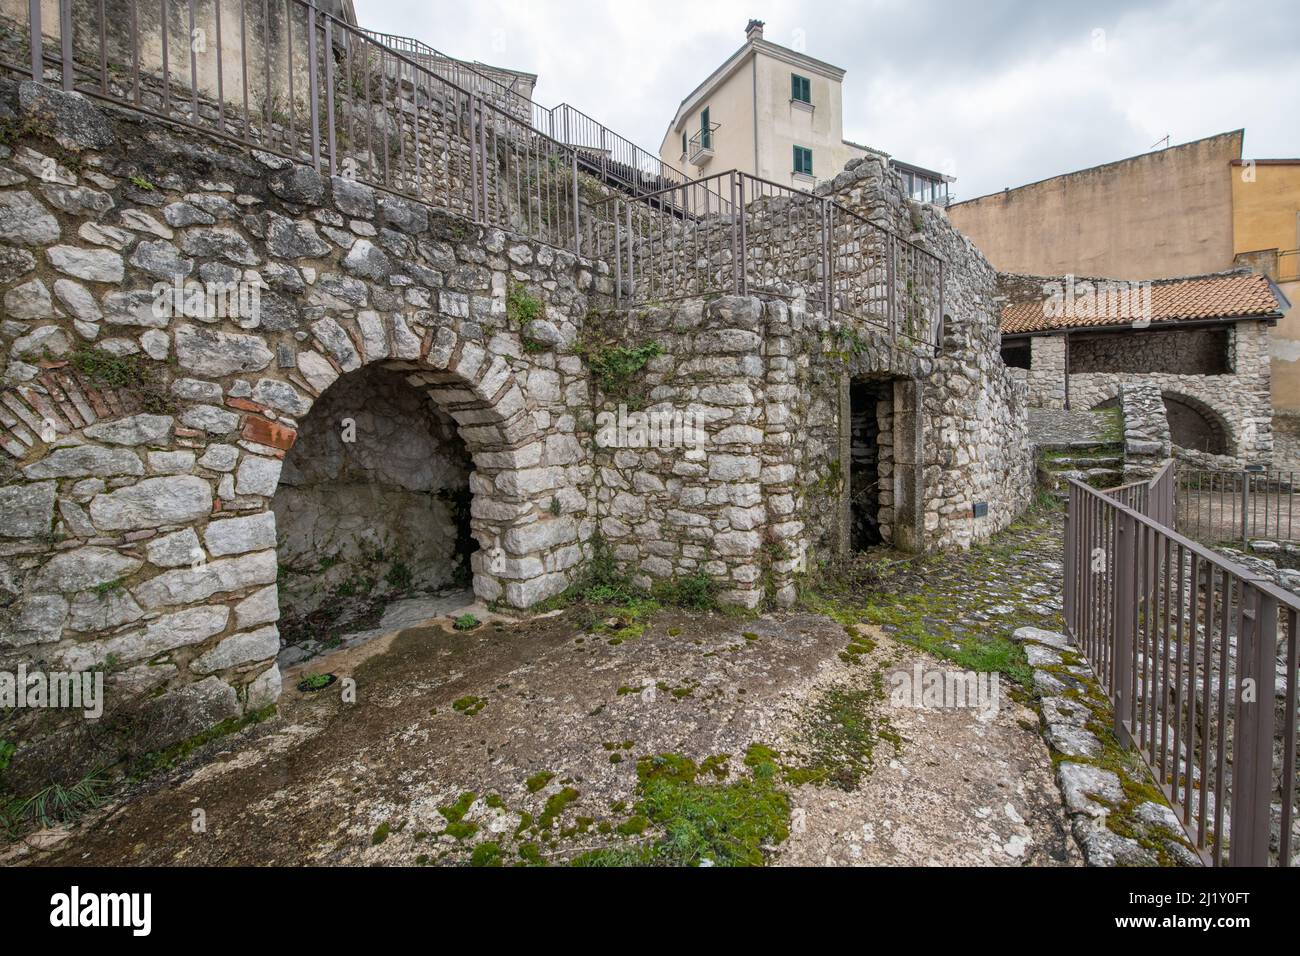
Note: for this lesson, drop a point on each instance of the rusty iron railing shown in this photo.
(737, 233)
(612, 158)
(1216, 506)
(286, 78)
(1199, 658)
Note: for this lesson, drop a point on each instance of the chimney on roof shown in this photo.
(754, 30)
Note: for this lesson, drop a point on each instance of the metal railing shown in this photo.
(282, 76)
(613, 158)
(1216, 506)
(736, 233)
(1199, 659)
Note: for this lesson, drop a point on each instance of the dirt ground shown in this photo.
(451, 727)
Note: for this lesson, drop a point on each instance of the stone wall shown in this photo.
(1173, 351)
(153, 440)
(1235, 399)
(1240, 401)
(971, 443)
(145, 441)
(1147, 441)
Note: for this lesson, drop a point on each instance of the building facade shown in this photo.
(1266, 238)
(775, 113)
(1192, 209)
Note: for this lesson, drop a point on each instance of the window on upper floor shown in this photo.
(683, 142)
(803, 160)
(800, 89)
(706, 134)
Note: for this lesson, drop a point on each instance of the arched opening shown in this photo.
(373, 507)
(1196, 426)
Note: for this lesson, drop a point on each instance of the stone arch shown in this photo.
(1196, 425)
(482, 395)
(1106, 397)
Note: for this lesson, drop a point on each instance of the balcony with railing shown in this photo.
(699, 148)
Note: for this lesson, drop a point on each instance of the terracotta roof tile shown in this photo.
(1206, 297)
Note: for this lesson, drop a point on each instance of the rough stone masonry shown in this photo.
(145, 446)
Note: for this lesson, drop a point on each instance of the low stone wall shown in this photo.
(1146, 430)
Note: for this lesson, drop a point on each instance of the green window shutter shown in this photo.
(803, 162)
(683, 143)
(800, 88)
(706, 136)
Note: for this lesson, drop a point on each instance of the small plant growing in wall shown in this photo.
(103, 369)
(466, 622)
(616, 368)
(521, 306)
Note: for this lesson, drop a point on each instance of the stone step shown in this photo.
(1097, 477)
(1099, 461)
(1109, 447)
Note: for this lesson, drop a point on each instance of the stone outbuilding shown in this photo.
(1202, 341)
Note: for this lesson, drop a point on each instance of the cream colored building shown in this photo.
(775, 113)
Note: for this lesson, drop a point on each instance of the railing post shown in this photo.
(1252, 765)
(1071, 565)
(473, 159)
(735, 230)
(744, 244)
(330, 132)
(1124, 591)
(65, 39)
(37, 40)
(577, 232)
(891, 292)
(631, 255)
(828, 259)
(1245, 506)
(313, 87)
(618, 254)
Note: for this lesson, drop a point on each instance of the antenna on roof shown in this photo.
(1156, 144)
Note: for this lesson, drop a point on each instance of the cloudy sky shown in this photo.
(998, 93)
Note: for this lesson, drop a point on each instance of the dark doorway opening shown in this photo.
(373, 510)
(867, 401)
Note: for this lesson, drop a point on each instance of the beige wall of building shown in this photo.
(759, 122)
(1166, 213)
(1266, 235)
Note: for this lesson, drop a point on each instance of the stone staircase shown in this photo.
(1094, 462)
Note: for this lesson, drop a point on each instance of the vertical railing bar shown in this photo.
(1194, 598)
(291, 132)
(1289, 739)
(313, 87)
(167, 79)
(267, 97)
(221, 84)
(103, 48)
(1220, 761)
(65, 41)
(330, 131)
(243, 61)
(1207, 657)
(36, 40)
(194, 67)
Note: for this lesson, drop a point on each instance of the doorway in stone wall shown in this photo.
(870, 413)
(372, 515)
